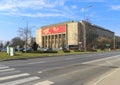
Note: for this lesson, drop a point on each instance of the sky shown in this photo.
(15, 14)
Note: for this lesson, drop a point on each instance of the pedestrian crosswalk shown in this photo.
(11, 76)
(3, 70)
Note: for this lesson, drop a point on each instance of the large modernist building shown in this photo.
(117, 42)
(73, 34)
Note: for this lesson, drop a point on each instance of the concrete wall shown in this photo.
(39, 37)
(72, 33)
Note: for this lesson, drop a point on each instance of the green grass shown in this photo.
(19, 55)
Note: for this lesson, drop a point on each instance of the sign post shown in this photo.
(107, 45)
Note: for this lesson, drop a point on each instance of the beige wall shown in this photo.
(39, 37)
(72, 30)
(71, 35)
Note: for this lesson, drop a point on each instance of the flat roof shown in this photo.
(57, 24)
(99, 27)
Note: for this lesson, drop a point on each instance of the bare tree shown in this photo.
(6, 44)
(17, 41)
(1, 44)
(25, 34)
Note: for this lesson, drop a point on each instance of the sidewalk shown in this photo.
(111, 79)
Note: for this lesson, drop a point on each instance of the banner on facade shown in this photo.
(54, 29)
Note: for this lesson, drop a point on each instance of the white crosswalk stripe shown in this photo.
(47, 82)
(14, 76)
(9, 72)
(21, 81)
(4, 70)
(11, 76)
(3, 67)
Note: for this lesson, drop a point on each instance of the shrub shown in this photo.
(42, 52)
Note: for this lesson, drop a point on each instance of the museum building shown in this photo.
(72, 34)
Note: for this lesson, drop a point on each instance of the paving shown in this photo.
(64, 70)
(111, 79)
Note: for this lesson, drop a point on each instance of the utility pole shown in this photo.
(84, 26)
(26, 34)
(114, 43)
(84, 10)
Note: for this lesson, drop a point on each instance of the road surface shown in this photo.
(62, 70)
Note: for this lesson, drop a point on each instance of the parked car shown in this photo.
(0, 49)
(20, 49)
(45, 49)
(4, 50)
(27, 49)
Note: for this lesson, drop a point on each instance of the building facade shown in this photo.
(75, 35)
(117, 42)
(99, 37)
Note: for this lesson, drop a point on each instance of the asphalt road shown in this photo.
(61, 70)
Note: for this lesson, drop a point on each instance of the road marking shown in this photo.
(4, 67)
(37, 62)
(7, 70)
(14, 76)
(11, 72)
(109, 63)
(93, 61)
(79, 63)
(20, 81)
(47, 82)
(70, 58)
(40, 72)
(54, 68)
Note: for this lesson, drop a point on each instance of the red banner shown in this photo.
(54, 30)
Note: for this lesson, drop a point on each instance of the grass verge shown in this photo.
(19, 55)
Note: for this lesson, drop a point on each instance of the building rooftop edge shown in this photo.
(58, 23)
(100, 27)
(77, 21)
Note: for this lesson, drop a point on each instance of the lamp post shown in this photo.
(84, 10)
(26, 34)
(114, 43)
(84, 27)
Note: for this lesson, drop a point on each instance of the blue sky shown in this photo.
(15, 14)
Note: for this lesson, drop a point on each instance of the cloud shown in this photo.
(34, 15)
(4, 7)
(36, 8)
(74, 6)
(34, 4)
(20, 7)
(92, 0)
(115, 7)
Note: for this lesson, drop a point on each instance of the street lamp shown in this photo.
(26, 34)
(84, 10)
(84, 30)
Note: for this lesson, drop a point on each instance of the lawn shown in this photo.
(19, 55)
